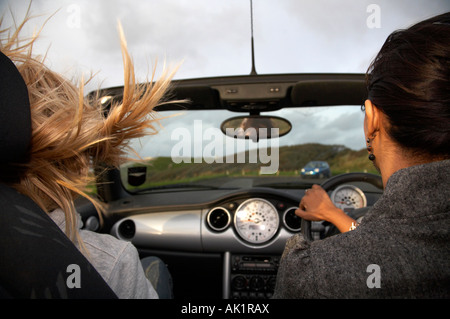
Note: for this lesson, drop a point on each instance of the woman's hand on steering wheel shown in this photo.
(316, 205)
(326, 186)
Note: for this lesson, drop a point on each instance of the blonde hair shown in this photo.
(70, 133)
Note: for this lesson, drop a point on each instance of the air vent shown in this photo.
(127, 229)
(218, 219)
(292, 221)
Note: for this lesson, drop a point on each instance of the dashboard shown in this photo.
(244, 222)
(247, 228)
(243, 225)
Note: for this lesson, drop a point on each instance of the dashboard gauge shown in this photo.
(256, 220)
(348, 198)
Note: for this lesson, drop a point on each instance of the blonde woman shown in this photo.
(70, 134)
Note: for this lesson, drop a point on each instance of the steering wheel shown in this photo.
(337, 180)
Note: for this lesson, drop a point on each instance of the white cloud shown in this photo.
(213, 36)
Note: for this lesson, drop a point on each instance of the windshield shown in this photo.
(190, 150)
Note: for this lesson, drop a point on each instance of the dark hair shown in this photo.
(409, 81)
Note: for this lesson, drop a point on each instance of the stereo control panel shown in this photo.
(252, 276)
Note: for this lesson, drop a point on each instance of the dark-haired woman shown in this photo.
(401, 249)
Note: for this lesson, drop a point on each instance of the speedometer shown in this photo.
(256, 220)
(348, 198)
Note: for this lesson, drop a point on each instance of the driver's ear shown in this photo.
(372, 119)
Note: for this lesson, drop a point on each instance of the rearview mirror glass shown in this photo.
(256, 127)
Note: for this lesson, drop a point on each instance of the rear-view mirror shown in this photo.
(255, 127)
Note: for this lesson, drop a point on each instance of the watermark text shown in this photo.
(212, 146)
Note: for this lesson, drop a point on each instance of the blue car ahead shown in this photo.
(316, 169)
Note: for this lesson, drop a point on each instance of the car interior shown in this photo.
(222, 232)
(213, 194)
(219, 225)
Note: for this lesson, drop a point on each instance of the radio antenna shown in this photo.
(253, 72)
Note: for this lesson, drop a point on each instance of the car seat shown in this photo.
(37, 260)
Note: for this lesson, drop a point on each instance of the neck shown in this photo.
(392, 158)
(389, 163)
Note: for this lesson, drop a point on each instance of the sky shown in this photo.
(212, 37)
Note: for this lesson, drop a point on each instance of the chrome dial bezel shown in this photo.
(268, 221)
(354, 191)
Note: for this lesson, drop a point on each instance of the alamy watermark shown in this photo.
(73, 20)
(374, 279)
(229, 148)
(373, 21)
(74, 279)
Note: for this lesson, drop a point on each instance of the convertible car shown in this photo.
(213, 194)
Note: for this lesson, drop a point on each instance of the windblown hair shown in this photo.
(71, 133)
(409, 81)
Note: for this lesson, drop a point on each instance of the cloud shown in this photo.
(174, 30)
(212, 37)
(329, 36)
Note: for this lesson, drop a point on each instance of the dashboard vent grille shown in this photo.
(127, 229)
(292, 221)
(218, 219)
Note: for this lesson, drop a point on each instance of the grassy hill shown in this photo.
(163, 170)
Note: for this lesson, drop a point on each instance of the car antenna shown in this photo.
(253, 72)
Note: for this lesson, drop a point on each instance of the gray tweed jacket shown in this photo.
(400, 250)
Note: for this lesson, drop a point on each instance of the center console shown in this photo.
(249, 276)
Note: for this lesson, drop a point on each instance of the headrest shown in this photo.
(15, 114)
